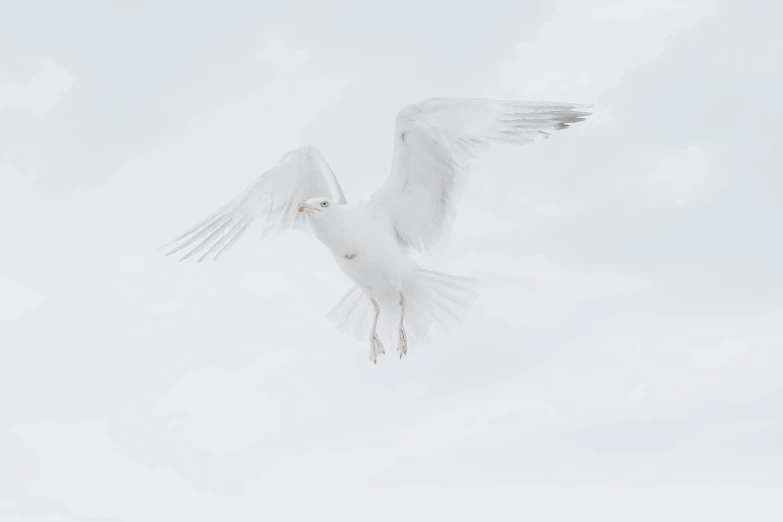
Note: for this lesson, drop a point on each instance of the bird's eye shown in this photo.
(324, 204)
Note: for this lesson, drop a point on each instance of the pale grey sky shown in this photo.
(626, 348)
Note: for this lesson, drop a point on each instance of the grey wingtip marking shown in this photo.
(168, 254)
(164, 248)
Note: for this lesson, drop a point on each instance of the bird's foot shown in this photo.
(402, 346)
(376, 348)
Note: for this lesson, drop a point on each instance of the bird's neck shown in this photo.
(335, 230)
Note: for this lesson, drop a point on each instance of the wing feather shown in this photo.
(302, 173)
(436, 142)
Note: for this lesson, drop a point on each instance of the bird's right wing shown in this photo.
(301, 174)
(436, 142)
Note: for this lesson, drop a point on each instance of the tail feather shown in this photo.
(353, 314)
(431, 299)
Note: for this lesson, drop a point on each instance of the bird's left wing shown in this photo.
(435, 143)
(301, 174)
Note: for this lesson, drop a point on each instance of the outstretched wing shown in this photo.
(437, 140)
(301, 174)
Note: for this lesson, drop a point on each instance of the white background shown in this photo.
(622, 363)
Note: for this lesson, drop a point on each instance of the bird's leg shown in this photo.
(402, 347)
(376, 348)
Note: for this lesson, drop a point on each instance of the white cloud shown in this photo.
(84, 472)
(244, 403)
(16, 299)
(268, 284)
(681, 175)
(34, 518)
(279, 53)
(41, 93)
(587, 47)
(543, 291)
(169, 306)
(221, 411)
(719, 354)
(131, 264)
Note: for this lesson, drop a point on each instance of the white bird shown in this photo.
(435, 143)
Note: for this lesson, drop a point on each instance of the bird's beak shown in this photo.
(304, 207)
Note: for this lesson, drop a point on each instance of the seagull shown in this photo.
(435, 143)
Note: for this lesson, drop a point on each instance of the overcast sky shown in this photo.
(623, 360)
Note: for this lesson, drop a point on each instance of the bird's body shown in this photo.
(371, 240)
(365, 248)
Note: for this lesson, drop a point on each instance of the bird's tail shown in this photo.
(431, 299)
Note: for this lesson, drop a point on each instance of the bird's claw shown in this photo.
(376, 348)
(402, 347)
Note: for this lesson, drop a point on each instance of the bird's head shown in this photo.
(320, 207)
